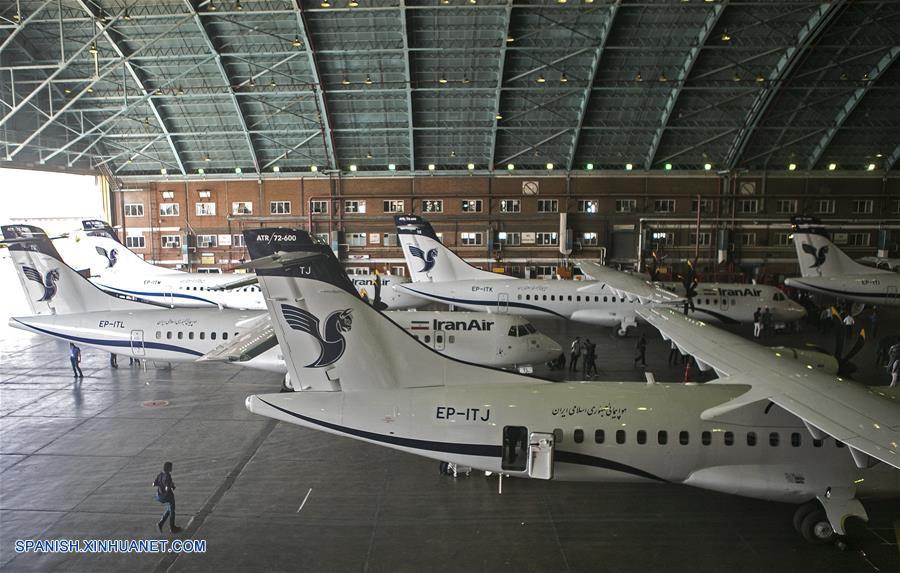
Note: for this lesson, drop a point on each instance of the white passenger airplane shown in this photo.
(826, 269)
(760, 431)
(68, 307)
(117, 269)
(440, 275)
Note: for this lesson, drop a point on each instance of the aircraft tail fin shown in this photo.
(107, 255)
(819, 257)
(98, 228)
(50, 285)
(427, 257)
(331, 338)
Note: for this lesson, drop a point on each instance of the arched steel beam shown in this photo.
(891, 159)
(595, 65)
(321, 103)
(823, 15)
(684, 72)
(139, 81)
(846, 110)
(499, 94)
(214, 51)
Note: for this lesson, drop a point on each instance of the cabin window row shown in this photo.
(190, 335)
(684, 438)
(570, 298)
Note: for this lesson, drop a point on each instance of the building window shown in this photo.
(280, 207)
(510, 206)
(242, 208)
(389, 239)
(318, 207)
(548, 206)
(858, 239)
(237, 240)
(824, 206)
(469, 239)
(356, 239)
(170, 241)
(205, 209)
(589, 239)
(783, 239)
(433, 206)
(393, 206)
(354, 206)
(134, 241)
(748, 239)
(206, 241)
(509, 239)
(705, 205)
(134, 209)
(748, 206)
(585, 206)
(664, 206)
(169, 209)
(323, 238)
(705, 239)
(863, 206)
(787, 206)
(546, 239)
(471, 206)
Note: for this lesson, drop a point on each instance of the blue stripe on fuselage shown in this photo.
(159, 294)
(497, 304)
(119, 343)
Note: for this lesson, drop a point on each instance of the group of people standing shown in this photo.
(589, 362)
(762, 323)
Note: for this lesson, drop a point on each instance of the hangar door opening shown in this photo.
(623, 243)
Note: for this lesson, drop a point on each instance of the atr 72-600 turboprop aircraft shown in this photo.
(68, 307)
(762, 430)
(440, 275)
(825, 269)
(116, 269)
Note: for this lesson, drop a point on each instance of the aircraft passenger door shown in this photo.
(439, 342)
(540, 456)
(503, 302)
(137, 342)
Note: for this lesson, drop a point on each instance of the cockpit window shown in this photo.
(512, 331)
(530, 328)
(778, 296)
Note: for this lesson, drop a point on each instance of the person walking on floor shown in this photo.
(590, 358)
(673, 355)
(641, 351)
(165, 494)
(113, 360)
(757, 323)
(849, 323)
(75, 359)
(767, 323)
(576, 353)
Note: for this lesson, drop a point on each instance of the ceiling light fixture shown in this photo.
(295, 43)
(471, 166)
(663, 78)
(737, 77)
(93, 49)
(368, 80)
(498, 117)
(465, 80)
(369, 155)
(668, 166)
(431, 167)
(589, 167)
(442, 80)
(353, 168)
(760, 78)
(832, 166)
(549, 167)
(879, 155)
(510, 166)
(345, 82)
(207, 159)
(871, 167)
(238, 170)
(354, 4)
(201, 171)
(563, 78)
(313, 168)
(272, 83)
(392, 167)
(792, 167)
(707, 166)
(540, 79)
(238, 6)
(211, 7)
(725, 36)
(325, 4)
(629, 166)
(163, 171)
(638, 77)
(510, 39)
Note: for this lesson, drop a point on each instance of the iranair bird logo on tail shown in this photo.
(818, 255)
(331, 340)
(111, 256)
(48, 281)
(428, 259)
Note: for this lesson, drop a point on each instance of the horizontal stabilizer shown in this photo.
(247, 345)
(238, 283)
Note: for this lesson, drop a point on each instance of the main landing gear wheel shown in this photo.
(816, 528)
(803, 511)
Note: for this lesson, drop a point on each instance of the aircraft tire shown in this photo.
(816, 529)
(803, 511)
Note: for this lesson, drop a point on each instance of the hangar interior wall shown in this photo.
(513, 222)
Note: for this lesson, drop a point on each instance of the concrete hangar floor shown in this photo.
(77, 461)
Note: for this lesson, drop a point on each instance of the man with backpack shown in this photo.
(165, 494)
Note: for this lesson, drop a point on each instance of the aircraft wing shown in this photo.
(238, 283)
(626, 285)
(247, 345)
(863, 418)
